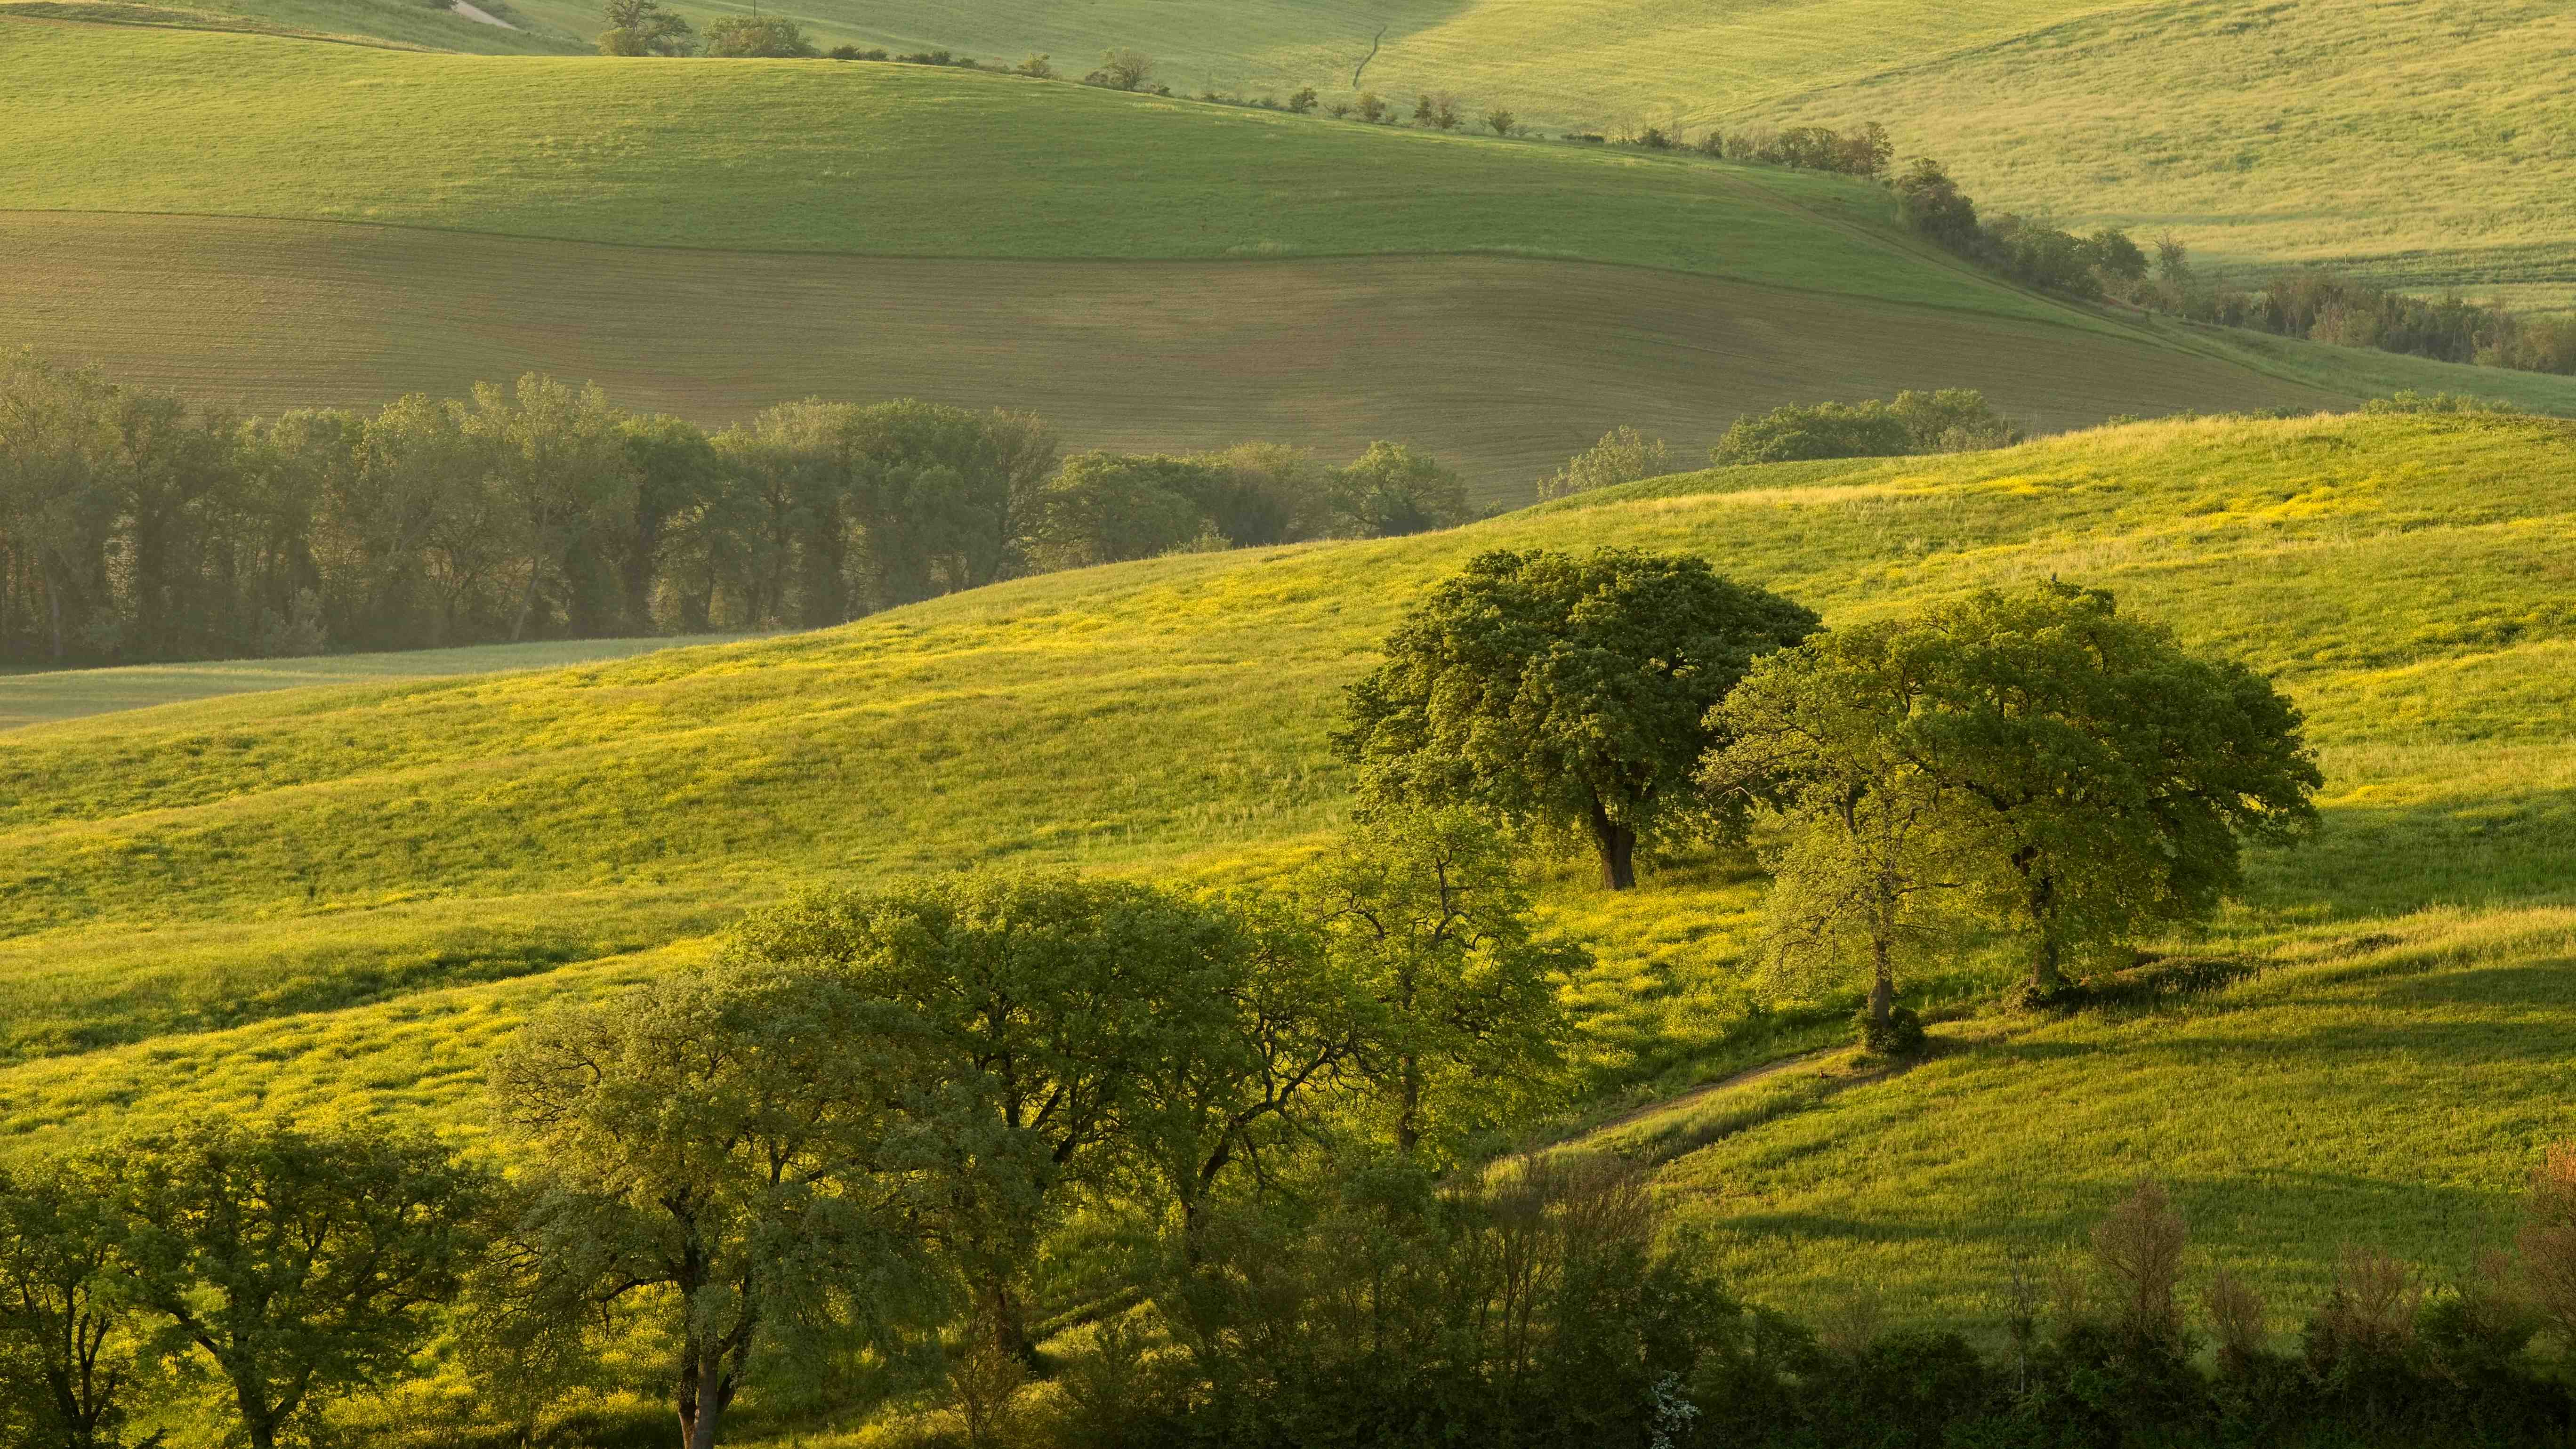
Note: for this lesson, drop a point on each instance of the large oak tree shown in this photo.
(1565, 692)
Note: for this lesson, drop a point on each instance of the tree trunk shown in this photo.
(1618, 846)
(1882, 985)
(701, 1400)
(2045, 975)
(1007, 1319)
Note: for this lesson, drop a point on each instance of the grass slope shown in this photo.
(47, 696)
(2423, 143)
(328, 901)
(863, 230)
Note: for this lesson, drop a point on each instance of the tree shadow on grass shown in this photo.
(2517, 849)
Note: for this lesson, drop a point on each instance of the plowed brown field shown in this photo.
(1503, 365)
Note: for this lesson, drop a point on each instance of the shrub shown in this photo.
(1655, 138)
(2437, 402)
(1303, 102)
(1622, 456)
(1901, 1038)
(1122, 69)
(1039, 66)
(1822, 430)
(2548, 1241)
(758, 37)
(1370, 108)
(2139, 1249)
(1501, 122)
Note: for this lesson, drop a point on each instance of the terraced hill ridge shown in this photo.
(332, 901)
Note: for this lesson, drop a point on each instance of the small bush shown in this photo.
(1370, 107)
(1900, 1039)
(1501, 122)
(1303, 102)
(1123, 69)
(1041, 67)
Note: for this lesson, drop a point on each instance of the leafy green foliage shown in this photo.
(70, 1334)
(1392, 490)
(715, 1158)
(1563, 692)
(759, 36)
(1623, 455)
(304, 1265)
(1431, 919)
(1952, 420)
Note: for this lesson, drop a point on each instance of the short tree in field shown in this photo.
(1048, 1007)
(644, 27)
(70, 1337)
(1429, 916)
(2083, 775)
(1123, 69)
(1869, 871)
(1501, 122)
(712, 1163)
(304, 1265)
(1393, 489)
(1623, 455)
(771, 37)
(1566, 694)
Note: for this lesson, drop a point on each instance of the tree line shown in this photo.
(1095, 1162)
(2314, 303)
(133, 527)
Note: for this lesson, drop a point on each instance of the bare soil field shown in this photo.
(1502, 365)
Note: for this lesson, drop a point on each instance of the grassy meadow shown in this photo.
(330, 901)
(2417, 143)
(44, 696)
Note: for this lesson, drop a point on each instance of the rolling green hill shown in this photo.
(2417, 142)
(333, 900)
(805, 228)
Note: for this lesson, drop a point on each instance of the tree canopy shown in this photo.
(2091, 776)
(1566, 693)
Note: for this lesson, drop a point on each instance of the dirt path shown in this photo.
(485, 16)
(1744, 1078)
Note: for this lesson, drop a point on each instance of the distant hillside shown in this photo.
(1148, 273)
(2424, 144)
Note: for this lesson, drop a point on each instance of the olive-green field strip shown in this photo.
(1502, 366)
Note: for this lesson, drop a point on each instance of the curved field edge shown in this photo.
(49, 696)
(884, 160)
(1500, 366)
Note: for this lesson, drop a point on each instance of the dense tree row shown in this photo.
(135, 528)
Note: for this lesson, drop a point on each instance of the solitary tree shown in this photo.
(1393, 489)
(1123, 69)
(68, 1333)
(303, 1264)
(1623, 455)
(759, 36)
(712, 1160)
(1565, 693)
(2091, 776)
(1433, 918)
(1047, 1005)
(643, 27)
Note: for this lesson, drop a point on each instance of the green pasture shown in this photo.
(41, 697)
(2418, 143)
(883, 160)
(329, 901)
